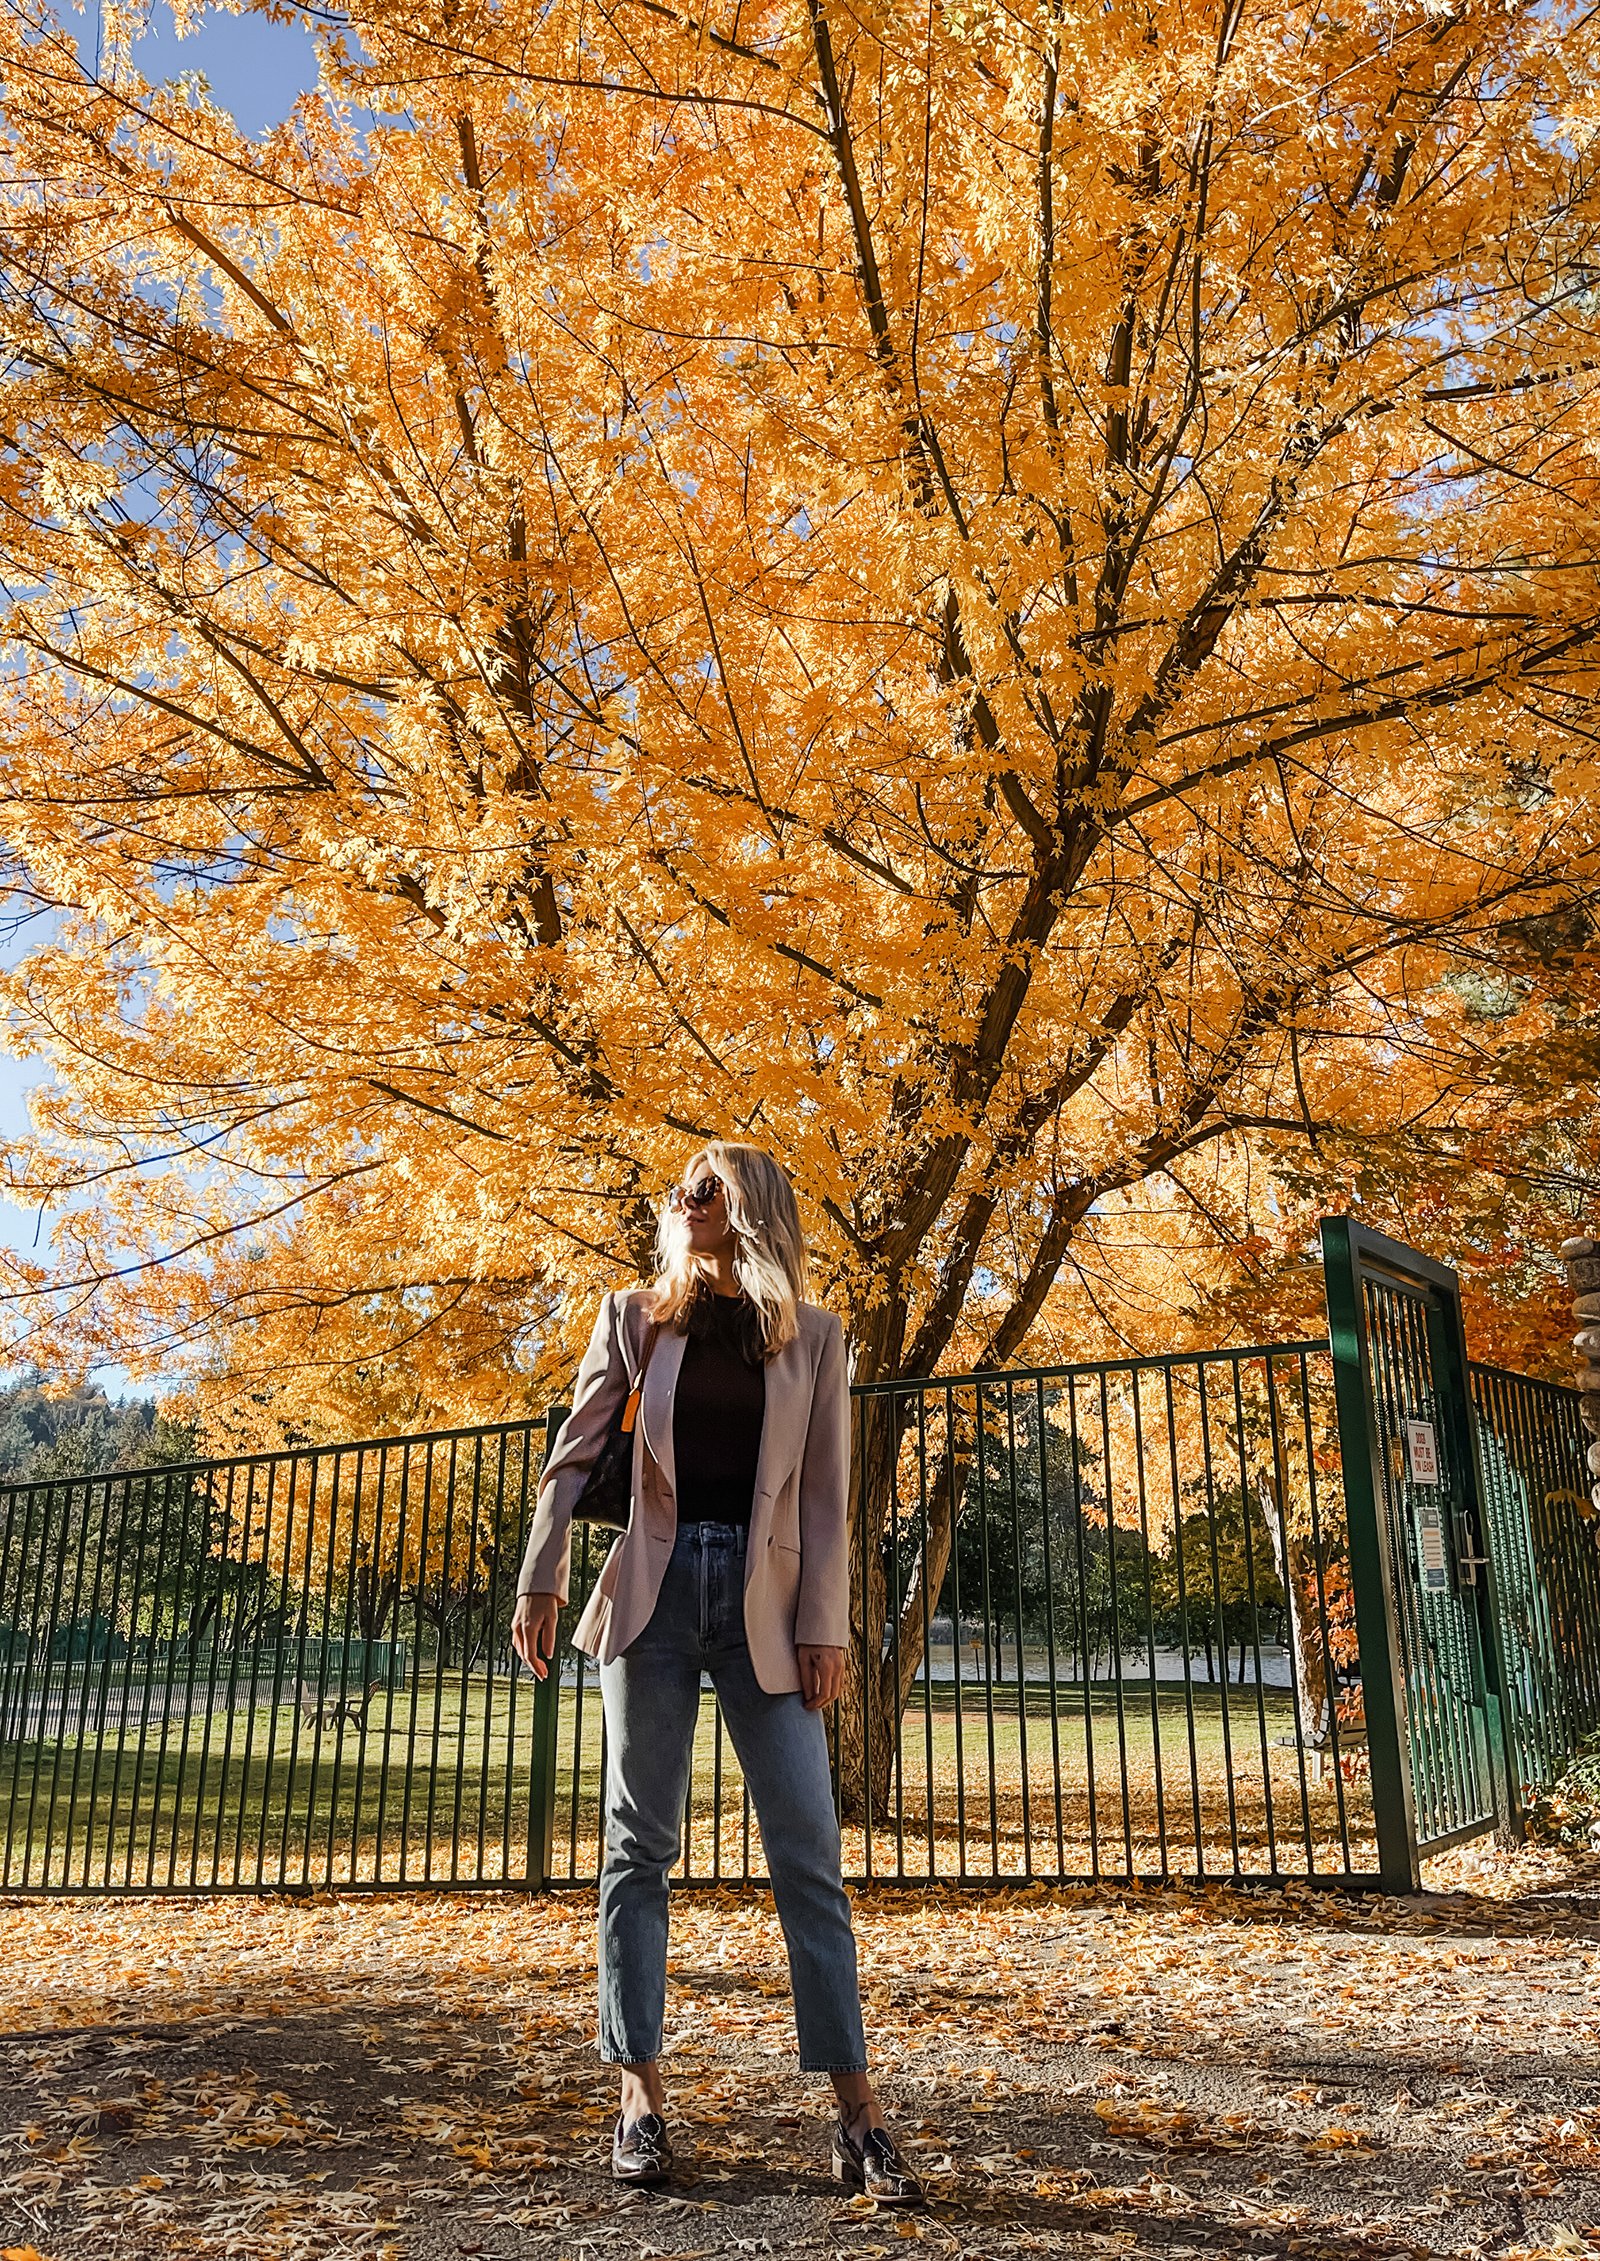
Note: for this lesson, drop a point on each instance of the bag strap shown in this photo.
(630, 1410)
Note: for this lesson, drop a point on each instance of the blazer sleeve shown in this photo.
(822, 1618)
(597, 1398)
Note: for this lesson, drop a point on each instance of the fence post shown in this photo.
(1377, 1628)
(542, 1762)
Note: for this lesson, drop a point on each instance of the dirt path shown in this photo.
(1251, 2074)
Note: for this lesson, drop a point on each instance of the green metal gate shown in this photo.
(1425, 1605)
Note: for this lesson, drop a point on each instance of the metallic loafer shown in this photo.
(641, 2153)
(875, 2166)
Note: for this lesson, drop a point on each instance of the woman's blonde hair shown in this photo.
(769, 1247)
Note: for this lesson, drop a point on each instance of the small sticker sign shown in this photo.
(1430, 1544)
(1422, 1452)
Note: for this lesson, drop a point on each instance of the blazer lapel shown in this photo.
(655, 1405)
(783, 1426)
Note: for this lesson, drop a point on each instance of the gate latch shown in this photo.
(1468, 1560)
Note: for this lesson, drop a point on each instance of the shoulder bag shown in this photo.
(607, 1495)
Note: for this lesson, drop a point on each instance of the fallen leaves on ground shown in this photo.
(1272, 2072)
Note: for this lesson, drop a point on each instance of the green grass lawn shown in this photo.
(438, 1786)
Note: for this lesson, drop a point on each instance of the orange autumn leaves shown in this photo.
(995, 601)
(1057, 2066)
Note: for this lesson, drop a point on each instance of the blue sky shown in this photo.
(254, 68)
(257, 70)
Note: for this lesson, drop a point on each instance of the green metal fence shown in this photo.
(1116, 1598)
(1544, 1542)
(1135, 1656)
(1303, 1611)
(278, 1671)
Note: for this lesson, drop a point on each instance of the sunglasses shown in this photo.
(697, 1196)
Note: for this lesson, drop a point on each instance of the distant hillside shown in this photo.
(82, 1433)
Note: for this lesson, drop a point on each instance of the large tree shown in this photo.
(984, 596)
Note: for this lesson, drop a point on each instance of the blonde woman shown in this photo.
(734, 1563)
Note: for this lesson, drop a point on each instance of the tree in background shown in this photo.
(996, 602)
(1216, 1581)
(80, 1432)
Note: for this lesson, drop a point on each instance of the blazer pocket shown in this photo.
(786, 1519)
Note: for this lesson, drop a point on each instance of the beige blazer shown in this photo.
(797, 1577)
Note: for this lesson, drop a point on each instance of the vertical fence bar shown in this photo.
(1253, 1606)
(1330, 1663)
(416, 1673)
(1183, 1621)
(577, 1727)
(542, 1782)
(339, 1694)
(192, 1492)
(27, 1627)
(363, 1614)
(13, 1621)
(463, 1701)
(897, 1743)
(104, 1699)
(275, 1493)
(235, 1665)
(66, 1692)
(491, 1652)
(1219, 1612)
(127, 1672)
(83, 1692)
(1292, 1611)
(156, 1616)
(546, 1706)
(1050, 1614)
(440, 1638)
(305, 1692)
(332, 1488)
(49, 1633)
(213, 1623)
(871, 1666)
(1114, 1644)
(392, 1615)
(531, 1859)
(953, 1574)
(988, 1636)
(1081, 1612)
(927, 1614)
(1016, 1606)
(1149, 1625)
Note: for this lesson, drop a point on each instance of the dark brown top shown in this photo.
(717, 1411)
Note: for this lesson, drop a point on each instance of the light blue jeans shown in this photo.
(652, 1703)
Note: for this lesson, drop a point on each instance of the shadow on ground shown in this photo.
(1160, 2075)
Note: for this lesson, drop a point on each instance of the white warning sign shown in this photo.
(1422, 1452)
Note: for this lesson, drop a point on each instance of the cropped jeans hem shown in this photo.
(606, 2058)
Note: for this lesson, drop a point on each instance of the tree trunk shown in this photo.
(1296, 1563)
(881, 1664)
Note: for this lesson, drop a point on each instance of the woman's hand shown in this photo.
(533, 1630)
(821, 1676)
